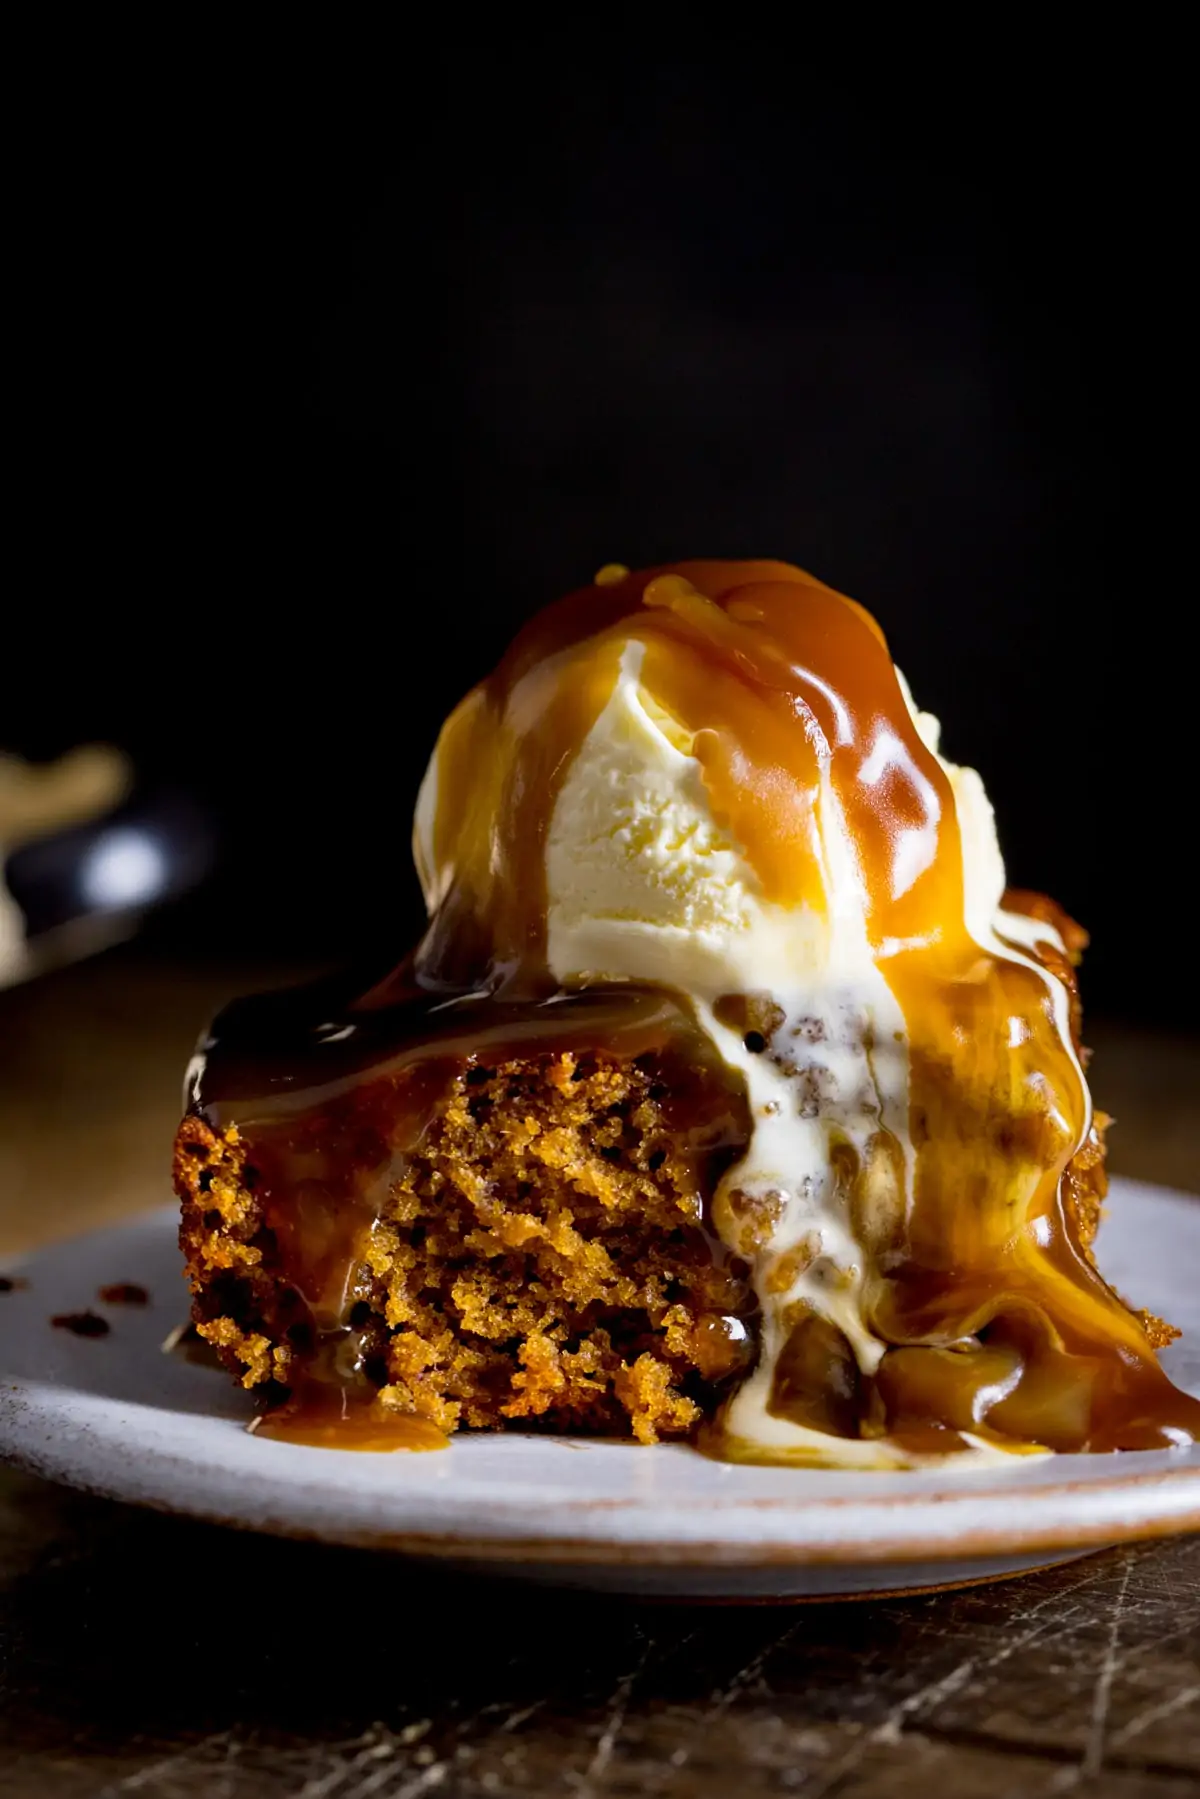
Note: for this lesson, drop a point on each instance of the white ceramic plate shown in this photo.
(114, 1415)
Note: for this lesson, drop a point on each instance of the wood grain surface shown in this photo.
(149, 1655)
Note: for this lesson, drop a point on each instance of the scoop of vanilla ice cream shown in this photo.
(642, 883)
(632, 840)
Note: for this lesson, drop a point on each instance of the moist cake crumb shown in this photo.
(541, 1261)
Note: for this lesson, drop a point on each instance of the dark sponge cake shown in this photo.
(725, 1087)
(540, 1259)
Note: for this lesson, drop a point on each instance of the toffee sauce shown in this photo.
(997, 1322)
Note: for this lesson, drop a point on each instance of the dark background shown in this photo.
(321, 387)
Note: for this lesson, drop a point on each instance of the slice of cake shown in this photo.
(728, 1095)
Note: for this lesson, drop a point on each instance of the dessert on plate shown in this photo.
(728, 1095)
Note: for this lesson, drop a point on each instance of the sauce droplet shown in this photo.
(611, 575)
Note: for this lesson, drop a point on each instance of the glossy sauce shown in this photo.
(998, 1323)
(325, 1417)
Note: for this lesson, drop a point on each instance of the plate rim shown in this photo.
(504, 1547)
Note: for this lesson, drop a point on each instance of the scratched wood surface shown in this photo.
(148, 1655)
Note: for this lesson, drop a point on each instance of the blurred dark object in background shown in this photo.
(78, 891)
(87, 851)
(331, 394)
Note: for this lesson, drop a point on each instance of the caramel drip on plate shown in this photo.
(324, 1417)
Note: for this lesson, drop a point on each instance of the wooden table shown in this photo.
(152, 1656)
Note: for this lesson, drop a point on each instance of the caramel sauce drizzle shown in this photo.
(998, 1321)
